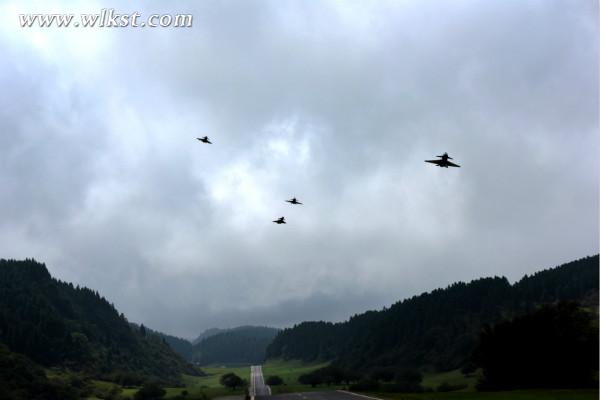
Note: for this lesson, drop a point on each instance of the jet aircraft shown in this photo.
(443, 161)
(293, 201)
(280, 221)
(204, 140)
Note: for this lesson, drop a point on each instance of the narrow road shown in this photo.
(257, 382)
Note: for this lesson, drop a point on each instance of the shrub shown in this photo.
(150, 391)
(231, 381)
(274, 380)
(313, 379)
(383, 374)
(364, 385)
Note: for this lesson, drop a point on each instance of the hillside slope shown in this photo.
(179, 345)
(57, 324)
(207, 333)
(437, 329)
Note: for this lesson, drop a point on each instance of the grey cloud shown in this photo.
(334, 103)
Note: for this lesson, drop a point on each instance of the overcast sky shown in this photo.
(336, 103)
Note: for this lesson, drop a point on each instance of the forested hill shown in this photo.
(242, 345)
(437, 329)
(208, 333)
(181, 346)
(57, 324)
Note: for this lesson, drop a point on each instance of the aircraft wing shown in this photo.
(451, 164)
(437, 162)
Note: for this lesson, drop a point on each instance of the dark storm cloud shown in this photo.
(335, 103)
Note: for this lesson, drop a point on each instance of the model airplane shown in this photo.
(293, 201)
(204, 140)
(443, 161)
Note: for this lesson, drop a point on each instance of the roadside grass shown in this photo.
(197, 387)
(290, 371)
(129, 392)
(434, 379)
(214, 373)
(209, 385)
(541, 394)
(202, 387)
(304, 388)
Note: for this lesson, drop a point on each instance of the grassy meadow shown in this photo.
(209, 387)
(201, 388)
(509, 395)
(289, 371)
(433, 380)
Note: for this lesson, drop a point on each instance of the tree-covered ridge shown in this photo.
(57, 324)
(207, 333)
(242, 345)
(575, 281)
(181, 346)
(439, 328)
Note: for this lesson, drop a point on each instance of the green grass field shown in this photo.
(512, 395)
(433, 380)
(289, 371)
(209, 386)
(197, 386)
(213, 374)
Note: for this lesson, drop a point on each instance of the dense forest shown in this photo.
(56, 324)
(181, 346)
(438, 329)
(242, 345)
(22, 379)
(555, 346)
(552, 347)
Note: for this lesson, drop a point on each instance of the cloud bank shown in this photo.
(335, 103)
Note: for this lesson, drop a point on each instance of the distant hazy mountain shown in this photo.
(57, 324)
(241, 345)
(437, 329)
(208, 333)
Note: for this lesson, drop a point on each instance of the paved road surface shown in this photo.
(332, 395)
(257, 382)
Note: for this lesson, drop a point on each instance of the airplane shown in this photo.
(443, 162)
(293, 201)
(204, 140)
(280, 221)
